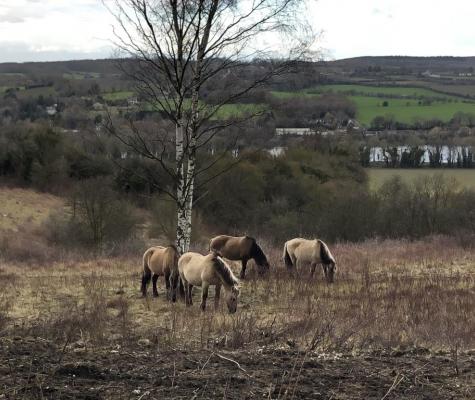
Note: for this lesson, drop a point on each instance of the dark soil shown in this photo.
(33, 368)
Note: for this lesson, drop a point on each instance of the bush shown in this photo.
(96, 217)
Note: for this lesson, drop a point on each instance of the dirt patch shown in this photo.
(34, 368)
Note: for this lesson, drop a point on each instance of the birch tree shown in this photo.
(173, 48)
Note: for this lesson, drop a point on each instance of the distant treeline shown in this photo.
(436, 156)
(321, 191)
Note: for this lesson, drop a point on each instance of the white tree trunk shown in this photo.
(181, 228)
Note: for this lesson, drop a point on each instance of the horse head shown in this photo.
(260, 258)
(330, 270)
(232, 296)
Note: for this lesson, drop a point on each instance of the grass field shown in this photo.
(35, 92)
(406, 110)
(81, 75)
(121, 95)
(398, 319)
(227, 111)
(397, 312)
(409, 92)
(377, 176)
(238, 110)
(19, 207)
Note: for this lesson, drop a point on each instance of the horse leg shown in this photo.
(146, 276)
(204, 296)
(181, 288)
(168, 286)
(154, 284)
(188, 294)
(243, 269)
(325, 271)
(313, 266)
(217, 294)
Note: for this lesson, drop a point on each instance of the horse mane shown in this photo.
(325, 254)
(225, 272)
(257, 253)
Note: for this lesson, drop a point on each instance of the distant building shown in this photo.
(294, 131)
(52, 110)
(132, 101)
(379, 155)
(277, 151)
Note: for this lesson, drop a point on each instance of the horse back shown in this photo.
(162, 260)
(192, 266)
(232, 247)
(301, 250)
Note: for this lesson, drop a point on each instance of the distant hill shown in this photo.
(109, 66)
(417, 64)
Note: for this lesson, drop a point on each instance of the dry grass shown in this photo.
(387, 294)
(19, 207)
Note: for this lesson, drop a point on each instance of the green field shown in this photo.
(35, 92)
(81, 75)
(369, 102)
(377, 176)
(114, 96)
(227, 111)
(377, 91)
(407, 111)
(238, 110)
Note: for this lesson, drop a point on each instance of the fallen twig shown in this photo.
(234, 362)
(396, 382)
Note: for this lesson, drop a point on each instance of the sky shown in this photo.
(53, 30)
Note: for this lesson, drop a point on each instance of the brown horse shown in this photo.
(239, 248)
(298, 252)
(161, 261)
(199, 270)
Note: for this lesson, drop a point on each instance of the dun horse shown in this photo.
(298, 252)
(161, 261)
(239, 248)
(199, 270)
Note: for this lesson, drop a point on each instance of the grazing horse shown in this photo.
(239, 248)
(199, 270)
(299, 252)
(161, 261)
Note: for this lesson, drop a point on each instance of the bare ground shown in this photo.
(34, 368)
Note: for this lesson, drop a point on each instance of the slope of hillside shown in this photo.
(19, 207)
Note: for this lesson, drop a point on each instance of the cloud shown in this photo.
(21, 52)
(12, 19)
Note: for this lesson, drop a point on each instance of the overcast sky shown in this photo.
(48, 30)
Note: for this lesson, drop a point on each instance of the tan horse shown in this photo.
(161, 261)
(241, 248)
(199, 270)
(299, 252)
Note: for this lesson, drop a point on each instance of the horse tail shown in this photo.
(171, 258)
(146, 272)
(171, 262)
(325, 254)
(287, 259)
